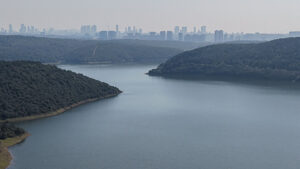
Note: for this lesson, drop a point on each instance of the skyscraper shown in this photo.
(134, 30)
(162, 35)
(112, 35)
(10, 29)
(294, 34)
(203, 29)
(103, 35)
(219, 36)
(28, 29)
(169, 35)
(176, 30)
(184, 30)
(180, 36)
(140, 31)
(3, 30)
(117, 28)
(152, 34)
(22, 28)
(86, 29)
(93, 29)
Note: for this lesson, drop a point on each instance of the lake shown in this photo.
(159, 123)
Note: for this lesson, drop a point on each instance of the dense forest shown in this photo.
(274, 60)
(31, 88)
(110, 52)
(8, 130)
(50, 50)
(182, 45)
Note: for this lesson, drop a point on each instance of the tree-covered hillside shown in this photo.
(31, 88)
(50, 50)
(274, 60)
(110, 52)
(182, 45)
(9, 131)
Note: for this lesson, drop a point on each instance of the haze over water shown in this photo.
(162, 123)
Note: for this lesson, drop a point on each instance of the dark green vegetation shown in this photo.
(112, 52)
(8, 130)
(31, 88)
(274, 60)
(182, 45)
(50, 50)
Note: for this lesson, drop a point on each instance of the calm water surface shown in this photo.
(162, 123)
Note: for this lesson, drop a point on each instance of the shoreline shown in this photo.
(55, 113)
(5, 154)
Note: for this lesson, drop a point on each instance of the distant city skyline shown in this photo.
(122, 28)
(179, 33)
(265, 16)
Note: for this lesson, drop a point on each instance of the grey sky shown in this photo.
(230, 15)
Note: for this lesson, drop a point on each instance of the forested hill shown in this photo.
(9, 131)
(182, 45)
(109, 52)
(274, 60)
(48, 50)
(31, 88)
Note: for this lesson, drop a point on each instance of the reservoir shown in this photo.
(161, 123)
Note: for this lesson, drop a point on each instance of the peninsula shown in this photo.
(277, 60)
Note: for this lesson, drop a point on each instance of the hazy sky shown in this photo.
(230, 15)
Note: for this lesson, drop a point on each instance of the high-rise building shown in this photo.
(117, 28)
(86, 29)
(176, 30)
(93, 29)
(103, 35)
(33, 30)
(184, 30)
(112, 35)
(152, 34)
(180, 36)
(130, 36)
(169, 35)
(118, 32)
(3, 30)
(219, 36)
(10, 29)
(129, 29)
(50, 31)
(162, 35)
(226, 37)
(140, 31)
(22, 28)
(203, 29)
(28, 29)
(82, 29)
(195, 30)
(134, 30)
(294, 34)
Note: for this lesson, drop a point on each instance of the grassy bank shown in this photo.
(5, 156)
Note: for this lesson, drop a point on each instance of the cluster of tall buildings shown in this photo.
(88, 29)
(179, 33)
(22, 30)
(219, 35)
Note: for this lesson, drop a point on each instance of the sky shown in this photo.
(266, 16)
